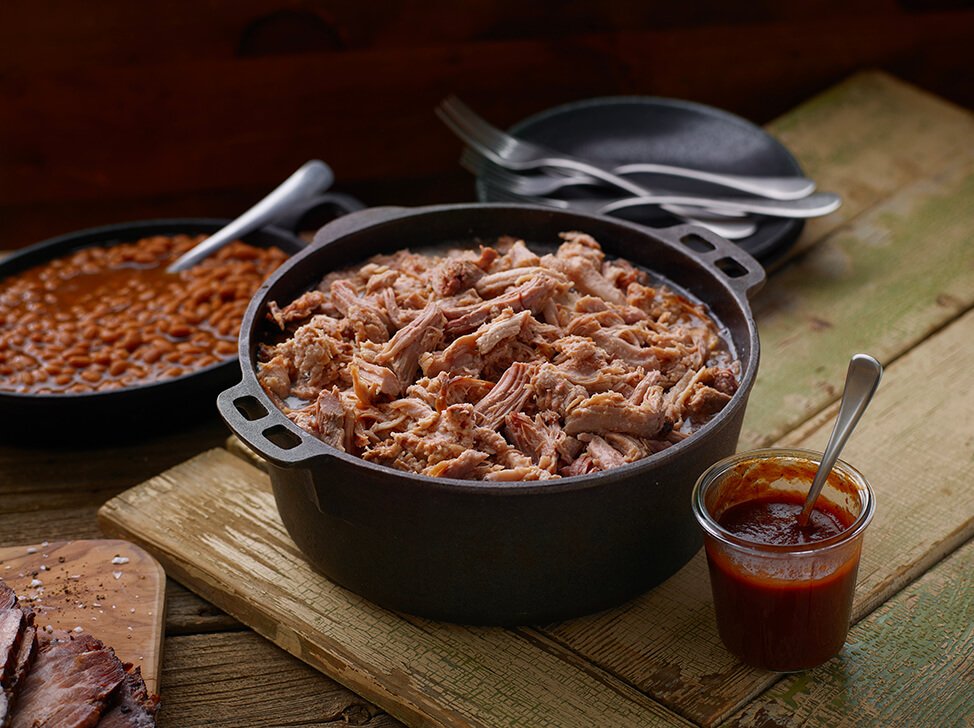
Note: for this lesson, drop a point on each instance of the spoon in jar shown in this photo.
(860, 386)
(310, 179)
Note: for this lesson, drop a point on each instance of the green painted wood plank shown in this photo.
(910, 663)
(666, 643)
(868, 137)
(881, 284)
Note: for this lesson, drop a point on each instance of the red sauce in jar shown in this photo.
(788, 612)
(773, 519)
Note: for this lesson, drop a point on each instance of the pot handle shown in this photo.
(742, 272)
(264, 429)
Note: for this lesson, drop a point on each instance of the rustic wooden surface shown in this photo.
(903, 241)
(908, 663)
(213, 523)
(101, 123)
(904, 182)
(77, 584)
(925, 512)
(204, 686)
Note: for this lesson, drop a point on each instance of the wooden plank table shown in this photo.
(891, 273)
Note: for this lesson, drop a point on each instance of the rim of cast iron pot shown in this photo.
(486, 487)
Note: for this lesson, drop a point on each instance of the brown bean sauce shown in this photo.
(106, 317)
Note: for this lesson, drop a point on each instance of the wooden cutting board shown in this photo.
(111, 589)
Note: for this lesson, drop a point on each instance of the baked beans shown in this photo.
(107, 317)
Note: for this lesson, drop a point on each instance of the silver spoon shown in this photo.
(860, 386)
(310, 179)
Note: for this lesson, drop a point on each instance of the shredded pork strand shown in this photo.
(497, 363)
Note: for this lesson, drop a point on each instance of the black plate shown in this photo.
(130, 412)
(628, 129)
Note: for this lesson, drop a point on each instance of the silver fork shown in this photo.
(522, 155)
(811, 206)
(725, 226)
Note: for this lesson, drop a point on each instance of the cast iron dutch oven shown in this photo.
(494, 553)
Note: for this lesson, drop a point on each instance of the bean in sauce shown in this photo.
(107, 317)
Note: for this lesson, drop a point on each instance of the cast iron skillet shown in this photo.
(626, 129)
(480, 552)
(130, 412)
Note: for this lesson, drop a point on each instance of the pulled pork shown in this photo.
(497, 363)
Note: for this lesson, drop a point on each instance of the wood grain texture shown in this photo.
(55, 524)
(240, 680)
(898, 270)
(921, 476)
(665, 642)
(281, 82)
(894, 270)
(867, 138)
(81, 584)
(911, 662)
(186, 613)
(65, 477)
(213, 524)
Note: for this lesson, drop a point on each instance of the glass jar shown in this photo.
(782, 606)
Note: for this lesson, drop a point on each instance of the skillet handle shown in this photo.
(741, 271)
(264, 428)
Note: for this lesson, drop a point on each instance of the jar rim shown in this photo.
(714, 529)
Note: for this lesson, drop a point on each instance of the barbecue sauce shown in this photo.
(779, 614)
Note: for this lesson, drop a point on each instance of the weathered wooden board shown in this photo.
(240, 680)
(899, 269)
(111, 589)
(665, 642)
(212, 523)
(908, 663)
(897, 272)
(868, 137)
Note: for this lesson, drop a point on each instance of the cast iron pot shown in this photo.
(481, 552)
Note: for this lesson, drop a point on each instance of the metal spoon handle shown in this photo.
(820, 203)
(312, 177)
(860, 386)
(776, 188)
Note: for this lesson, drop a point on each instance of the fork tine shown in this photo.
(467, 135)
(487, 170)
(477, 123)
(475, 126)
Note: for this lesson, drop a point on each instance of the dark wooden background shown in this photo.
(113, 110)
